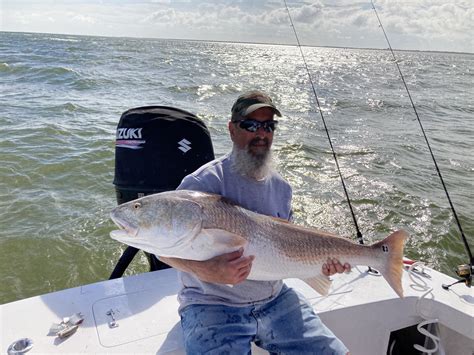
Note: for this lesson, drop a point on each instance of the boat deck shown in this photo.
(361, 309)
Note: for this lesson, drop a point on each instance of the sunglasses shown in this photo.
(253, 125)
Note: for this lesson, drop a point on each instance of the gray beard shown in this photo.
(256, 167)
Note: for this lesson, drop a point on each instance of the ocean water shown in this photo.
(61, 98)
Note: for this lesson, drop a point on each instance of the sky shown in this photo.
(438, 25)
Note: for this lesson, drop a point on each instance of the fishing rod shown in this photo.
(359, 234)
(463, 271)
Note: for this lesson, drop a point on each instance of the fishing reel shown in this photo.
(465, 273)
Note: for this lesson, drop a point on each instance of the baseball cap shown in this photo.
(251, 101)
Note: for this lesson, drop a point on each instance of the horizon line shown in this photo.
(241, 42)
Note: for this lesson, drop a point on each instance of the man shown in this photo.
(219, 318)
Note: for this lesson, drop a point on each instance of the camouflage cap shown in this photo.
(251, 101)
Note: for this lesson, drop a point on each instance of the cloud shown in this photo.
(310, 14)
(161, 16)
(413, 24)
(430, 21)
(83, 19)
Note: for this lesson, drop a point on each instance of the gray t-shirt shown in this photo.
(270, 196)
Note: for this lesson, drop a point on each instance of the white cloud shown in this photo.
(83, 19)
(414, 24)
(310, 14)
(431, 21)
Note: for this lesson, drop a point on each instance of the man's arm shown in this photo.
(231, 268)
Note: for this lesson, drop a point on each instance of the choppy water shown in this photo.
(61, 98)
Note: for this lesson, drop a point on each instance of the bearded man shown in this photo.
(222, 312)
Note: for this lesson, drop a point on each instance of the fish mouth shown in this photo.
(126, 229)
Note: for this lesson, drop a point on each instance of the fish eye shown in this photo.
(137, 205)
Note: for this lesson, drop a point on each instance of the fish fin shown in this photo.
(392, 270)
(320, 284)
(223, 241)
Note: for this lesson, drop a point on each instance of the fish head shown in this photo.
(159, 224)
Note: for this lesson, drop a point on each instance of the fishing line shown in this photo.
(463, 237)
(359, 234)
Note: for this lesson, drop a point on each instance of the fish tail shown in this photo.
(392, 269)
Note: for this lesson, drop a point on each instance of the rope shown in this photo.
(428, 320)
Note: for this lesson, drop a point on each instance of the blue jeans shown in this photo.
(286, 325)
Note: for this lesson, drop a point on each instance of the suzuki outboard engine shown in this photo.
(156, 147)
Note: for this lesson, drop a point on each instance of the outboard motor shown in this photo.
(156, 147)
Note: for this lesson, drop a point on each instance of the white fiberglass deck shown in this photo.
(361, 309)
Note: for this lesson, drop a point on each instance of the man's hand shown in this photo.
(231, 268)
(333, 266)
